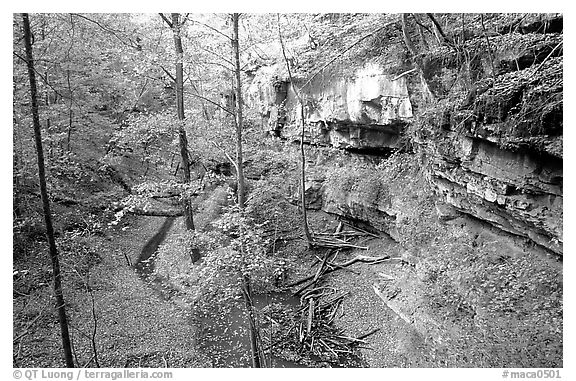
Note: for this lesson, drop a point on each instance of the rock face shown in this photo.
(377, 212)
(367, 111)
(370, 98)
(499, 158)
(514, 191)
(495, 154)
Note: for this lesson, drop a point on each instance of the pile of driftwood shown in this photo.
(316, 333)
(340, 239)
(320, 304)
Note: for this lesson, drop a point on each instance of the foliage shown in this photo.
(365, 182)
(269, 205)
(488, 295)
(234, 249)
(148, 136)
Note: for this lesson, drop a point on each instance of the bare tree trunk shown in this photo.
(252, 329)
(238, 121)
(70, 111)
(239, 116)
(440, 35)
(176, 25)
(417, 60)
(309, 238)
(489, 47)
(60, 306)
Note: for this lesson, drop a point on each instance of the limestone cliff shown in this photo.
(490, 140)
(366, 111)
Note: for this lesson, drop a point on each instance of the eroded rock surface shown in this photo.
(367, 111)
(495, 154)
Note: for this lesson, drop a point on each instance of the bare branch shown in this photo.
(106, 29)
(213, 29)
(404, 74)
(85, 114)
(341, 53)
(225, 154)
(421, 24)
(168, 73)
(166, 20)
(216, 54)
(547, 57)
(210, 101)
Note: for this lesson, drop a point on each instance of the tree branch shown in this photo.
(225, 154)
(404, 74)
(217, 55)
(213, 29)
(489, 46)
(341, 53)
(106, 29)
(210, 101)
(412, 49)
(84, 113)
(168, 73)
(166, 20)
(421, 24)
(438, 28)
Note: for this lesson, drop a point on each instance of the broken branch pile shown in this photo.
(320, 306)
(316, 333)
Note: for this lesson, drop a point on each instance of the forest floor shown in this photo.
(136, 326)
(396, 343)
(146, 324)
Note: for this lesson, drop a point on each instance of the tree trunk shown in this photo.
(70, 91)
(189, 218)
(417, 60)
(440, 35)
(60, 306)
(307, 233)
(239, 116)
(252, 329)
(238, 121)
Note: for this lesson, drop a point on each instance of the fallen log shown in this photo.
(313, 292)
(321, 266)
(168, 195)
(344, 234)
(157, 213)
(368, 334)
(361, 258)
(310, 315)
(334, 265)
(335, 243)
(352, 339)
(327, 347)
(338, 266)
